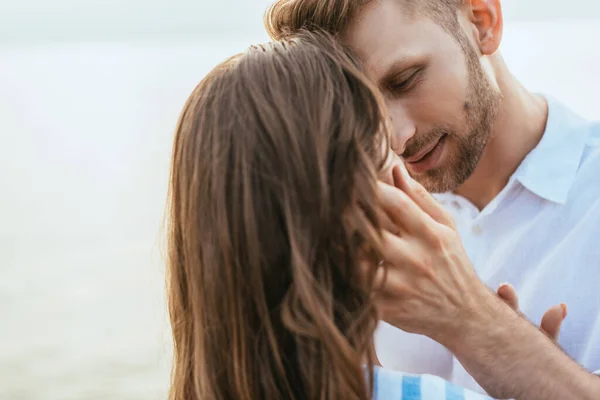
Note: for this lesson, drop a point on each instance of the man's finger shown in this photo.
(397, 251)
(420, 195)
(398, 259)
(508, 293)
(552, 321)
(403, 211)
(387, 223)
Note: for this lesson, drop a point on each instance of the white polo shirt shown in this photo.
(542, 235)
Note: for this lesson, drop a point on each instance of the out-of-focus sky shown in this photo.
(33, 20)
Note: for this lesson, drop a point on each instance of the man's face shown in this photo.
(441, 101)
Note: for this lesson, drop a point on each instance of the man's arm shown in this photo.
(429, 287)
(511, 358)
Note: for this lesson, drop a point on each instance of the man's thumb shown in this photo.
(552, 321)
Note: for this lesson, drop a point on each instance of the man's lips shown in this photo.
(423, 152)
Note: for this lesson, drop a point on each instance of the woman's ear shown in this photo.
(486, 17)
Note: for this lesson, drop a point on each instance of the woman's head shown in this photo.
(272, 204)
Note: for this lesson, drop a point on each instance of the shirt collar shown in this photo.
(549, 170)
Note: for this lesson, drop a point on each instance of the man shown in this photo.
(430, 288)
(517, 171)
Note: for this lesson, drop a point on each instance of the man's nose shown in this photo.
(403, 128)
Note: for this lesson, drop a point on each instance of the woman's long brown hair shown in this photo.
(272, 205)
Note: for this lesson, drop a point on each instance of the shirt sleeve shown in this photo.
(400, 386)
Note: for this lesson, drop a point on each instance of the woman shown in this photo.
(272, 203)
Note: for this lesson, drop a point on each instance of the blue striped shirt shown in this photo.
(393, 385)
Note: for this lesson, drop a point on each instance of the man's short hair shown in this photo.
(285, 17)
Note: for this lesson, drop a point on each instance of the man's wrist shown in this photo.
(485, 317)
(485, 343)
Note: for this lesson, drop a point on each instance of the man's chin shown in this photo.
(439, 180)
(437, 187)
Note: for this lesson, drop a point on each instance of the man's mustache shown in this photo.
(420, 141)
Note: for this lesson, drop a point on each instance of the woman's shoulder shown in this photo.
(400, 386)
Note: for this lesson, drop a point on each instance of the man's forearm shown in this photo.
(510, 358)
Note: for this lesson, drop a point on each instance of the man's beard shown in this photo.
(468, 141)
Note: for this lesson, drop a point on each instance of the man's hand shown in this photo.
(552, 319)
(433, 229)
(428, 286)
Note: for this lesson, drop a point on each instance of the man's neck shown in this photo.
(519, 127)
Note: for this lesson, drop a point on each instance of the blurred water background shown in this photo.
(89, 96)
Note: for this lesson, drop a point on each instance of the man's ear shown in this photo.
(487, 20)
